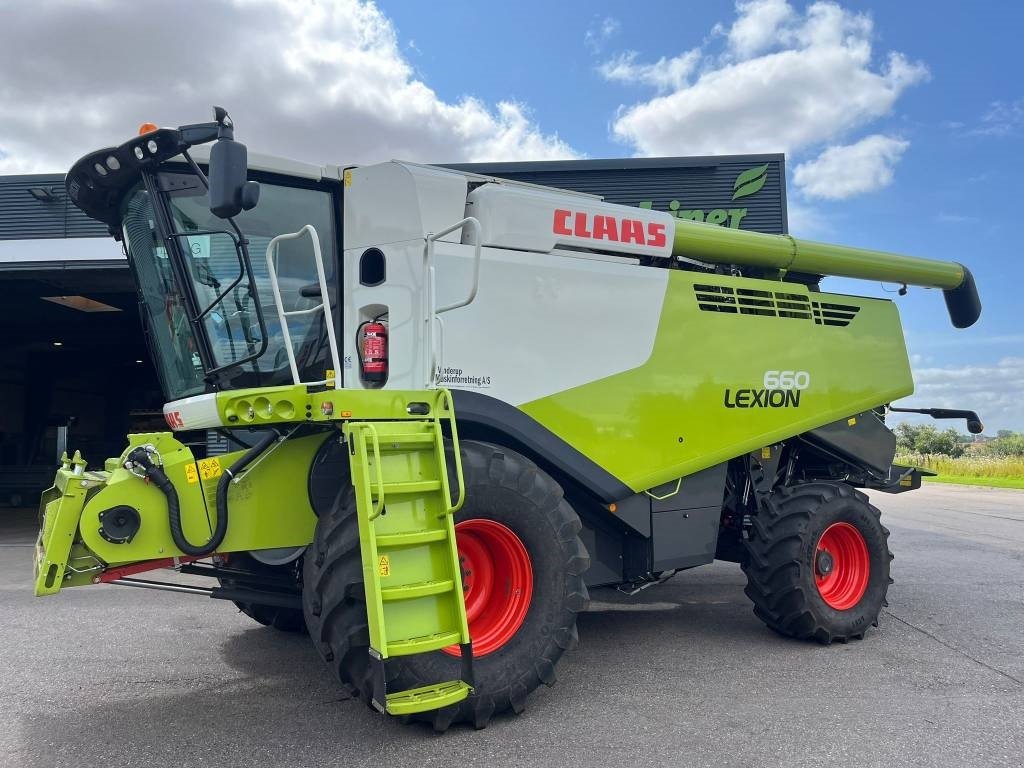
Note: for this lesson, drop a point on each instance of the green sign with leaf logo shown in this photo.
(748, 183)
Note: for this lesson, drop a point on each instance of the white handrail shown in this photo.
(473, 224)
(324, 305)
(434, 358)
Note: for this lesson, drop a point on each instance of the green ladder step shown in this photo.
(410, 538)
(417, 441)
(418, 589)
(411, 487)
(423, 644)
(426, 698)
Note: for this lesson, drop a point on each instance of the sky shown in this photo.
(902, 123)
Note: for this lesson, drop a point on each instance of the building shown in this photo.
(77, 371)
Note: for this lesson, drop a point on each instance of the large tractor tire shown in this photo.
(522, 562)
(817, 563)
(284, 619)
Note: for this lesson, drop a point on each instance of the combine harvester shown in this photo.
(458, 402)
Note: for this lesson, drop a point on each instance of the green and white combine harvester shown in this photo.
(458, 402)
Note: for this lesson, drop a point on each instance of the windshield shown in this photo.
(225, 304)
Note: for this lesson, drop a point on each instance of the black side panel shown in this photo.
(684, 524)
(701, 489)
(685, 538)
(487, 418)
(863, 440)
(605, 552)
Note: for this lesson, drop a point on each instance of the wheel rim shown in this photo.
(841, 566)
(497, 579)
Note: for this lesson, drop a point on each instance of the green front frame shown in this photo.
(269, 504)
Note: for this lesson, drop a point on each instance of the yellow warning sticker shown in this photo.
(209, 469)
(906, 481)
(384, 566)
(766, 453)
(851, 421)
(348, 178)
(191, 473)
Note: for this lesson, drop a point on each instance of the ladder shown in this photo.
(412, 577)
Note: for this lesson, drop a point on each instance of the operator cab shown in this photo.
(207, 308)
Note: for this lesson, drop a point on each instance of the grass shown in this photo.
(991, 482)
(996, 472)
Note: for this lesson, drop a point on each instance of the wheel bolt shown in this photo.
(823, 563)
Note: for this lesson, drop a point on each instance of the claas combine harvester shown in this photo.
(454, 403)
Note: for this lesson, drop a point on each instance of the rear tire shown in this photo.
(501, 486)
(817, 563)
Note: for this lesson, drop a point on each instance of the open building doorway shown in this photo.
(75, 372)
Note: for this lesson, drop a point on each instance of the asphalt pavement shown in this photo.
(682, 674)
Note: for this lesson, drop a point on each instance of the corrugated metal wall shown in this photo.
(667, 183)
(23, 217)
(694, 183)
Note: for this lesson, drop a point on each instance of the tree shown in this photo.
(925, 438)
(1008, 444)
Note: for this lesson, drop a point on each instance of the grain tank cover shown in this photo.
(532, 219)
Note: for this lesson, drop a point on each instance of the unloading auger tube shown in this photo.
(719, 245)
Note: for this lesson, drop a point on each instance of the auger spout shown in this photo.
(720, 245)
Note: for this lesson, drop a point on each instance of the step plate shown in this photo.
(427, 698)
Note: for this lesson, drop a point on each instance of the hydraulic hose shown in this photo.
(140, 457)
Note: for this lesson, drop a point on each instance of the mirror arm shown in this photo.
(196, 169)
(198, 133)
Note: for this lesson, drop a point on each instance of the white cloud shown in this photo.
(322, 81)
(600, 32)
(1002, 119)
(759, 26)
(853, 169)
(664, 74)
(814, 80)
(994, 390)
(806, 221)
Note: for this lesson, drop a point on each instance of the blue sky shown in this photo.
(956, 190)
(903, 123)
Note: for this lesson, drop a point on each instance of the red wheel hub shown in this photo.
(497, 579)
(841, 566)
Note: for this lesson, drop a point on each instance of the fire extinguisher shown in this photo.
(373, 352)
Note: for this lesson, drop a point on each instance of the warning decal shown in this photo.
(209, 469)
(384, 566)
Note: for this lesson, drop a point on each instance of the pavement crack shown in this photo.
(953, 648)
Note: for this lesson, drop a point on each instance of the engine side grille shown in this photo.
(749, 301)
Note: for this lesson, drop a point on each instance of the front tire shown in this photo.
(817, 563)
(512, 508)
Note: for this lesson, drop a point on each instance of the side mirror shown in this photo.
(230, 191)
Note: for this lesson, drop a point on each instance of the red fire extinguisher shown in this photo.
(374, 352)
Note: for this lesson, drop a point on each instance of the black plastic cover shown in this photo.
(863, 440)
(963, 302)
